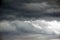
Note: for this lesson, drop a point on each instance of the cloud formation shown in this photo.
(49, 26)
(6, 26)
(37, 26)
(17, 10)
(17, 26)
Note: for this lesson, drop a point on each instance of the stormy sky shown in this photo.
(30, 16)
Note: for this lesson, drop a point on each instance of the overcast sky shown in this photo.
(42, 17)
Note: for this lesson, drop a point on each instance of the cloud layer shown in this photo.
(15, 10)
(37, 26)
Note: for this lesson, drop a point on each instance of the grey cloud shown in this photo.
(6, 26)
(17, 26)
(21, 9)
(16, 9)
(29, 10)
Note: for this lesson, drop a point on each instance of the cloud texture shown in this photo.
(37, 26)
(17, 10)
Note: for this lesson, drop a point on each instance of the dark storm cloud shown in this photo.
(15, 10)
